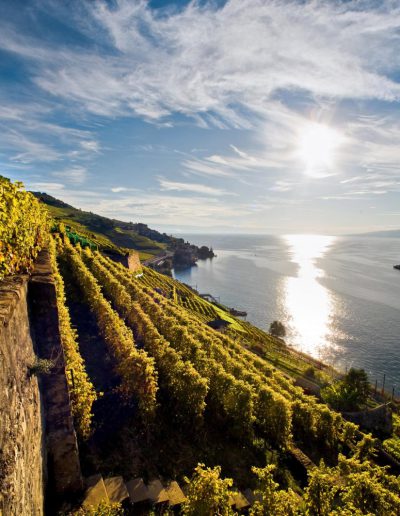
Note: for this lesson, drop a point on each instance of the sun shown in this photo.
(317, 146)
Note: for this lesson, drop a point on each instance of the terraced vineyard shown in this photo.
(156, 393)
(167, 359)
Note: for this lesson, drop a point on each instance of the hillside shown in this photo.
(159, 396)
(116, 234)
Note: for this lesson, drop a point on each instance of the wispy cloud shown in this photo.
(199, 167)
(74, 175)
(191, 187)
(163, 208)
(204, 61)
(250, 68)
(46, 187)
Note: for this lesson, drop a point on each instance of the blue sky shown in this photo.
(245, 115)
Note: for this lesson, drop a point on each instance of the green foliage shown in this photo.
(41, 366)
(197, 366)
(24, 228)
(366, 448)
(350, 393)
(103, 509)
(273, 500)
(310, 372)
(369, 488)
(321, 490)
(208, 494)
(277, 329)
(354, 486)
(184, 383)
(392, 445)
(106, 233)
(357, 379)
(82, 392)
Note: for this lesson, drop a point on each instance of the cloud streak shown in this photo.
(207, 62)
(192, 187)
(253, 71)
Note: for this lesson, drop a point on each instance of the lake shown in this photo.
(339, 297)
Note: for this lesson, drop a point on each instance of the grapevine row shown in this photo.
(308, 415)
(243, 402)
(81, 391)
(182, 381)
(134, 366)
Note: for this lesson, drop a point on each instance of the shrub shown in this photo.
(41, 366)
(277, 329)
(350, 393)
(310, 372)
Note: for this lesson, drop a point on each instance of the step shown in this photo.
(239, 500)
(95, 491)
(175, 493)
(116, 489)
(137, 490)
(157, 493)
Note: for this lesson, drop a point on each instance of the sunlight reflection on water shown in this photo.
(309, 305)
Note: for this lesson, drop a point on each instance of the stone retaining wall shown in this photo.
(38, 446)
(21, 421)
(64, 473)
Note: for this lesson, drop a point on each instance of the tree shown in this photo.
(350, 393)
(277, 329)
(357, 381)
(208, 494)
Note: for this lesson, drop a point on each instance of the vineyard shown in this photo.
(156, 392)
(174, 371)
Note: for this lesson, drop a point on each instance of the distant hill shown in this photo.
(394, 233)
(110, 233)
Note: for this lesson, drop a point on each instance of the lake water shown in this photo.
(339, 297)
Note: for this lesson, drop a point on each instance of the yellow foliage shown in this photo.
(24, 228)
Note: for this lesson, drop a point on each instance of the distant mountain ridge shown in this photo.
(392, 233)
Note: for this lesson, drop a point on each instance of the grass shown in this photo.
(104, 232)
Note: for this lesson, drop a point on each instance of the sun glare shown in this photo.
(317, 148)
(308, 302)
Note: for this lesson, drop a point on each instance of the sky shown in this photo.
(240, 116)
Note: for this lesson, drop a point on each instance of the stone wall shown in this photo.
(39, 459)
(64, 473)
(130, 260)
(378, 420)
(21, 420)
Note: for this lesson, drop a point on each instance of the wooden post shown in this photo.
(72, 378)
(376, 386)
(393, 393)
(383, 385)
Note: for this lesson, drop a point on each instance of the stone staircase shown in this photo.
(116, 490)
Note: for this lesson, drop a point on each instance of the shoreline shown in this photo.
(317, 363)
